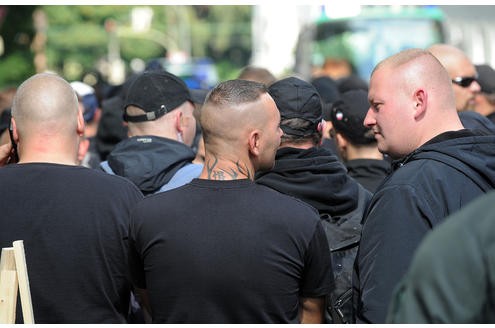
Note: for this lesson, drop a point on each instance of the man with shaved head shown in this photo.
(461, 71)
(223, 249)
(73, 220)
(439, 168)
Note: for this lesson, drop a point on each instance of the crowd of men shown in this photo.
(263, 200)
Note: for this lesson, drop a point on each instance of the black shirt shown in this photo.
(368, 172)
(74, 222)
(228, 252)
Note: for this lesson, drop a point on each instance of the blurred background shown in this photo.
(204, 44)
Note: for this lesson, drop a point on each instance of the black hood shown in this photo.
(471, 154)
(315, 176)
(149, 161)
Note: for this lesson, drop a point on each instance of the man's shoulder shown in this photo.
(282, 198)
(260, 196)
(287, 208)
(100, 178)
(417, 171)
(182, 176)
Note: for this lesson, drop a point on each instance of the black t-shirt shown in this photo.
(228, 252)
(74, 223)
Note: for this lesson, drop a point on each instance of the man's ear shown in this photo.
(420, 103)
(178, 121)
(321, 128)
(254, 143)
(80, 123)
(97, 115)
(15, 134)
(340, 140)
(341, 143)
(83, 149)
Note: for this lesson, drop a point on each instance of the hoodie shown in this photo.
(148, 161)
(315, 176)
(435, 180)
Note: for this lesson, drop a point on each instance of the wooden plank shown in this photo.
(22, 276)
(8, 286)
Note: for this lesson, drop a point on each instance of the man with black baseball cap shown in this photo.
(316, 176)
(157, 156)
(356, 143)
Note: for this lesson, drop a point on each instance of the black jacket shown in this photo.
(314, 175)
(452, 274)
(432, 182)
(317, 177)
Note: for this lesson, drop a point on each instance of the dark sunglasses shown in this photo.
(464, 81)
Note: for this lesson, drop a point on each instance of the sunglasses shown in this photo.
(464, 81)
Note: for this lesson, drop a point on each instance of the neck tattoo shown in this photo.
(215, 172)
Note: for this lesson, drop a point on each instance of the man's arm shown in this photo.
(317, 278)
(312, 310)
(449, 279)
(144, 300)
(393, 229)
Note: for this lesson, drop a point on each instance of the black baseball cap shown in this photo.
(348, 115)
(486, 78)
(157, 93)
(296, 98)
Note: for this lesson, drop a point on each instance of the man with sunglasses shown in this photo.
(462, 72)
(466, 84)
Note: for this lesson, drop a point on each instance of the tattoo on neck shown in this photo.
(217, 173)
(209, 168)
(243, 170)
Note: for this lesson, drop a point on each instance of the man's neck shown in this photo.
(301, 145)
(357, 152)
(48, 150)
(216, 168)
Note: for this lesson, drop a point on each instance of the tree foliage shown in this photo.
(17, 31)
(77, 37)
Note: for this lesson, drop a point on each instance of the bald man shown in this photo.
(461, 71)
(439, 168)
(73, 220)
(223, 249)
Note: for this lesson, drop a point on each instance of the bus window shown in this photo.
(339, 47)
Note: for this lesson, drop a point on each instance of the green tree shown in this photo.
(77, 40)
(16, 28)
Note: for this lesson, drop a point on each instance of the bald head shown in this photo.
(452, 58)
(411, 101)
(257, 74)
(458, 66)
(241, 124)
(45, 103)
(417, 68)
(230, 108)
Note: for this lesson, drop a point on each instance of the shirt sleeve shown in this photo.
(136, 265)
(318, 274)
